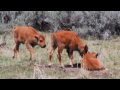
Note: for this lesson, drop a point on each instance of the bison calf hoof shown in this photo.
(50, 64)
(71, 64)
(62, 66)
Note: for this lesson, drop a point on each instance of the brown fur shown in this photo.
(90, 62)
(66, 40)
(29, 36)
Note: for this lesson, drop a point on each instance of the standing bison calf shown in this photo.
(66, 40)
(30, 37)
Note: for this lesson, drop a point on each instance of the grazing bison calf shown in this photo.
(90, 62)
(68, 40)
(30, 37)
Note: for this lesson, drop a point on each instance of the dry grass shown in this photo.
(21, 69)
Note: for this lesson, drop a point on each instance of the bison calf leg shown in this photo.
(60, 49)
(70, 54)
(16, 51)
(71, 60)
(30, 49)
(50, 52)
(83, 65)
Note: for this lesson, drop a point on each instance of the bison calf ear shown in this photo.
(97, 55)
(86, 49)
(36, 38)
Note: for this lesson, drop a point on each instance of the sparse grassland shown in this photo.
(21, 69)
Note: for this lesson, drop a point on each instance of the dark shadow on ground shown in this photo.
(76, 65)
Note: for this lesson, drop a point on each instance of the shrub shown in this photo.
(96, 23)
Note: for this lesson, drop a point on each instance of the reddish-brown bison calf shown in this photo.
(68, 40)
(90, 62)
(30, 37)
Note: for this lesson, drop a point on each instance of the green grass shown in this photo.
(21, 69)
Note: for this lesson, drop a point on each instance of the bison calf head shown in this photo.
(91, 55)
(83, 50)
(41, 41)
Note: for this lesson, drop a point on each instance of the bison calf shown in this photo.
(29, 36)
(90, 62)
(66, 40)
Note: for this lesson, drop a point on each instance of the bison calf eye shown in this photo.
(41, 40)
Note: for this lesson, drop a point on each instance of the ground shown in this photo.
(22, 69)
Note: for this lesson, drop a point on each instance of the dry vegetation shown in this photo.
(21, 69)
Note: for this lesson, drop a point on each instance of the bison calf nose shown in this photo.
(44, 46)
